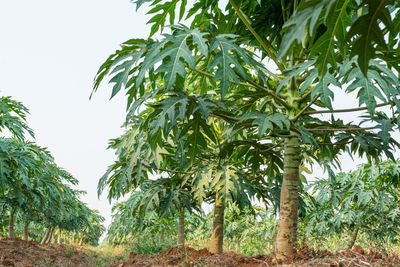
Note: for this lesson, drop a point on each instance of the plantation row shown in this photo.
(36, 195)
(360, 207)
(239, 103)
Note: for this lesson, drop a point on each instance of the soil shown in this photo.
(15, 252)
(189, 257)
(18, 253)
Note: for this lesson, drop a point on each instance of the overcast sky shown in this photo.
(50, 51)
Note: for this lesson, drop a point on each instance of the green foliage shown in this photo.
(13, 117)
(355, 26)
(266, 122)
(33, 188)
(366, 199)
(206, 113)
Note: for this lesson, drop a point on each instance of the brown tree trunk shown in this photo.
(217, 237)
(353, 239)
(44, 239)
(11, 226)
(238, 246)
(181, 228)
(52, 238)
(26, 231)
(81, 241)
(59, 236)
(49, 236)
(286, 240)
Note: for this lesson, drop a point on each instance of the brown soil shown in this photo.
(189, 257)
(16, 252)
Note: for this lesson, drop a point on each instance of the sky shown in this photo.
(50, 51)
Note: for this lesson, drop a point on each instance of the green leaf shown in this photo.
(366, 32)
(367, 90)
(295, 71)
(120, 65)
(167, 9)
(173, 51)
(337, 21)
(386, 127)
(266, 122)
(300, 23)
(227, 60)
(172, 109)
(322, 88)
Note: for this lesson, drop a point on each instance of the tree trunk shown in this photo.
(217, 237)
(81, 241)
(11, 224)
(286, 239)
(49, 236)
(353, 239)
(238, 246)
(181, 228)
(26, 231)
(52, 238)
(162, 237)
(44, 239)
(59, 236)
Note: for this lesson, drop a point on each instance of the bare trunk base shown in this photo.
(286, 240)
(353, 239)
(46, 235)
(11, 226)
(26, 230)
(181, 229)
(217, 237)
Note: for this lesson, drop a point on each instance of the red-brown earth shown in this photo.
(189, 257)
(15, 252)
(19, 253)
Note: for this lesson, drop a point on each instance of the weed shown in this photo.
(69, 251)
(47, 262)
(147, 248)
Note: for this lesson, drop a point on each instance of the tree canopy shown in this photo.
(205, 88)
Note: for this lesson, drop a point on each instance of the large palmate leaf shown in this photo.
(366, 32)
(196, 141)
(227, 60)
(120, 65)
(13, 117)
(322, 88)
(173, 52)
(173, 109)
(368, 90)
(267, 122)
(302, 22)
(162, 11)
(337, 20)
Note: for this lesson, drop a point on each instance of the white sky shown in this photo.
(50, 51)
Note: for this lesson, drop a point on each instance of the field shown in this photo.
(255, 133)
(15, 252)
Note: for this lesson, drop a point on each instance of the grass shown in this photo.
(69, 251)
(104, 256)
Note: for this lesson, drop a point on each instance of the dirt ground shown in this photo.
(16, 252)
(189, 257)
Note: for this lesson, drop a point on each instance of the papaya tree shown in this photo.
(364, 201)
(13, 118)
(220, 59)
(206, 179)
(128, 226)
